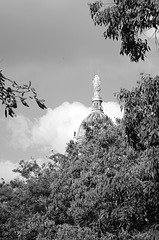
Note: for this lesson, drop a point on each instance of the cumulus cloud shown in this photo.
(152, 33)
(56, 127)
(20, 129)
(112, 109)
(6, 172)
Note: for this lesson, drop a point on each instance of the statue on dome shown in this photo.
(97, 85)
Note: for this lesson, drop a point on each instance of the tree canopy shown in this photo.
(141, 107)
(11, 92)
(103, 188)
(127, 21)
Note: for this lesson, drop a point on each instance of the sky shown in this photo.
(55, 45)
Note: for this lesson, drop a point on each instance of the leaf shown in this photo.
(1, 75)
(24, 102)
(14, 84)
(6, 112)
(24, 85)
(11, 113)
(42, 100)
(9, 90)
(40, 104)
(14, 104)
(33, 90)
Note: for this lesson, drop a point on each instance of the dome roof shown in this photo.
(96, 116)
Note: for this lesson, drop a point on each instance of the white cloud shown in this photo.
(112, 109)
(152, 33)
(20, 127)
(56, 127)
(6, 172)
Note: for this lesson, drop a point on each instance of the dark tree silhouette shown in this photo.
(126, 21)
(11, 92)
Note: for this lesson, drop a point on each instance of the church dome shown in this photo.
(93, 118)
(97, 115)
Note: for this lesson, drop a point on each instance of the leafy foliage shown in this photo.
(11, 92)
(103, 188)
(141, 107)
(127, 20)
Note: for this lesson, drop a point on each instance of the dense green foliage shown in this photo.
(11, 92)
(127, 20)
(105, 188)
(141, 106)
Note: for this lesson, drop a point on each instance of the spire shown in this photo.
(97, 100)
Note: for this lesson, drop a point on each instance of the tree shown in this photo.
(24, 204)
(141, 112)
(127, 20)
(103, 188)
(108, 188)
(11, 92)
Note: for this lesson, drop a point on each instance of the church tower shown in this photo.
(97, 115)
